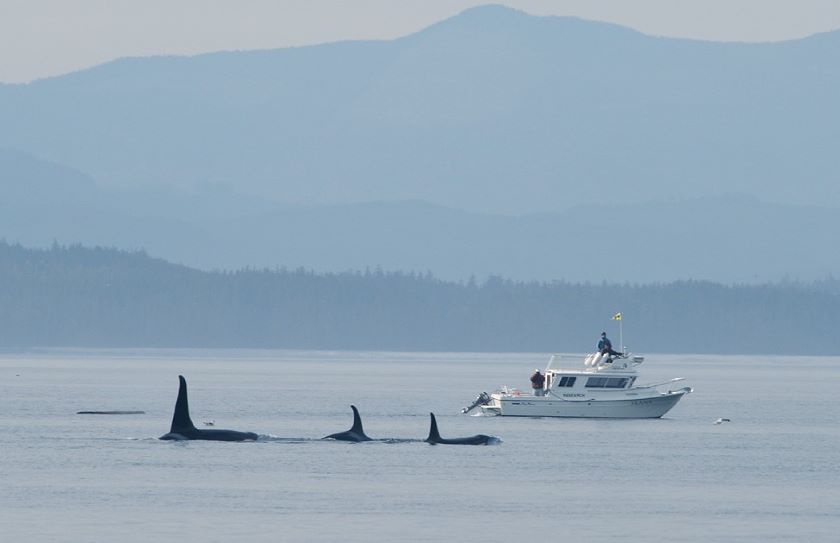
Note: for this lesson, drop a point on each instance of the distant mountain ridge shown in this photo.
(491, 111)
(728, 239)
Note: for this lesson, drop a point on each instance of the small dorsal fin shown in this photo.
(355, 433)
(181, 420)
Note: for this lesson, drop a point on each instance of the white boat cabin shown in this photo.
(599, 372)
(604, 387)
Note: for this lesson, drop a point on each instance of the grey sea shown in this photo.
(771, 474)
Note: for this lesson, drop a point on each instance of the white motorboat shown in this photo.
(602, 386)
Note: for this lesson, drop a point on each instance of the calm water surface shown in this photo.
(771, 474)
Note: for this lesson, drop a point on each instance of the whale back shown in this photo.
(479, 439)
(355, 433)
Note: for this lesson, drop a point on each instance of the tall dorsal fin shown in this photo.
(434, 435)
(181, 418)
(357, 422)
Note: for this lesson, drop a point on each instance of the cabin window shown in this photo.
(566, 381)
(607, 382)
(596, 382)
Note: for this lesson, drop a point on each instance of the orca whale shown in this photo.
(184, 429)
(110, 412)
(355, 433)
(480, 439)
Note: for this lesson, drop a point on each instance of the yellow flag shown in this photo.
(617, 317)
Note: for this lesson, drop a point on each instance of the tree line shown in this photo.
(75, 296)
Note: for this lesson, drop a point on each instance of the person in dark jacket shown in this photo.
(605, 346)
(537, 382)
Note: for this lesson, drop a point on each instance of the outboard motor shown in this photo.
(481, 399)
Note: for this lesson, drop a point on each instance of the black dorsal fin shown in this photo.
(355, 433)
(434, 435)
(181, 420)
(357, 422)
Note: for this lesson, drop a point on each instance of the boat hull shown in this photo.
(650, 407)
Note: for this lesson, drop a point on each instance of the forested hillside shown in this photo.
(94, 297)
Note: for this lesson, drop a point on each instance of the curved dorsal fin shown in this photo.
(357, 422)
(434, 435)
(181, 418)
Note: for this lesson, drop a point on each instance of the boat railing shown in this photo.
(595, 361)
(654, 385)
(576, 357)
(506, 390)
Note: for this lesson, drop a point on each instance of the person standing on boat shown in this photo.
(537, 382)
(605, 346)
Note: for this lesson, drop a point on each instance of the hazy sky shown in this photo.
(39, 38)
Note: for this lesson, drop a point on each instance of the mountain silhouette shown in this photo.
(491, 111)
(730, 238)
